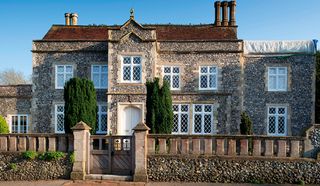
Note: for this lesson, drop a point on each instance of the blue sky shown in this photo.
(23, 21)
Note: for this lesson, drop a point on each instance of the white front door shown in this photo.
(130, 117)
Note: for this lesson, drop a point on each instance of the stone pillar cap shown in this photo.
(81, 126)
(141, 127)
(67, 14)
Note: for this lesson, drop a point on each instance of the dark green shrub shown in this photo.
(4, 128)
(166, 121)
(257, 181)
(49, 156)
(246, 129)
(80, 104)
(153, 102)
(159, 107)
(245, 125)
(301, 182)
(72, 158)
(29, 155)
(13, 166)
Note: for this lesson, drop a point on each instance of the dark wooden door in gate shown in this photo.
(111, 155)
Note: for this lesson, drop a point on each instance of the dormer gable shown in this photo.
(131, 36)
(130, 27)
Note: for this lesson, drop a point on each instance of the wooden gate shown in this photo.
(111, 155)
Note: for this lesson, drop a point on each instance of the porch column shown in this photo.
(81, 137)
(140, 152)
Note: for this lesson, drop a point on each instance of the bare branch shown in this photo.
(12, 77)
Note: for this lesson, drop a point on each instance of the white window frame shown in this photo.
(179, 112)
(276, 120)
(277, 76)
(131, 65)
(99, 131)
(56, 113)
(19, 122)
(208, 77)
(171, 74)
(203, 113)
(100, 74)
(65, 73)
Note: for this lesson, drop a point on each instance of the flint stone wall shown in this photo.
(15, 99)
(232, 170)
(72, 46)
(299, 98)
(228, 94)
(45, 96)
(199, 46)
(28, 170)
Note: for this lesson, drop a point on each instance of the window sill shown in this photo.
(133, 83)
(56, 132)
(283, 91)
(207, 90)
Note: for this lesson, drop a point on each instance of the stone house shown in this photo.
(213, 75)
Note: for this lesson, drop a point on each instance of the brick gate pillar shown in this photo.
(81, 137)
(140, 153)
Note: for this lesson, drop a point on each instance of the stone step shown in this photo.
(110, 177)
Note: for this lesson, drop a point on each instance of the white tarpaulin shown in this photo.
(279, 47)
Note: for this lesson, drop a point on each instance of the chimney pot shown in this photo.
(74, 19)
(225, 20)
(67, 18)
(232, 5)
(217, 7)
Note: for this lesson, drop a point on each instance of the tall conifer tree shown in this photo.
(166, 113)
(80, 104)
(159, 107)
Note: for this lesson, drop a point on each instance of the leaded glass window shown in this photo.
(102, 119)
(59, 118)
(208, 78)
(180, 119)
(172, 75)
(203, 119)
(277, 121)
(131, 69)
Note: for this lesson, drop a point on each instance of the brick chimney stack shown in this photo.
(74, 18)
(228, 13)
(67, 18)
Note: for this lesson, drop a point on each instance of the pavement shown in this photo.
(123, 183)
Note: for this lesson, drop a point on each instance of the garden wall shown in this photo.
(14, 167)
(230, 169)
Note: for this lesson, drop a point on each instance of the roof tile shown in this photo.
(164, 32)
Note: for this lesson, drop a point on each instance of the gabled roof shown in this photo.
(194, 32)
(62, 32)
(164, 32)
